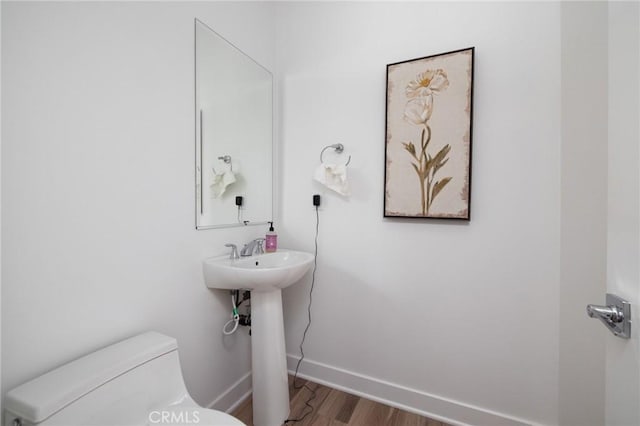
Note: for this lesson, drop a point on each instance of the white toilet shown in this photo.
(132, 383)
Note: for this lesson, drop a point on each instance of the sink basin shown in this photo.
(263, 272)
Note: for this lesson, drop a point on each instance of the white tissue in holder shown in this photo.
(334, 177)
(221, 181)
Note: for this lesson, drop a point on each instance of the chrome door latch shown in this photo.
(616, 315)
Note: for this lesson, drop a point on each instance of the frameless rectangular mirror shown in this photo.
(234, 134)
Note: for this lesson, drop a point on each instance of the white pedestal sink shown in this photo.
(265, 276)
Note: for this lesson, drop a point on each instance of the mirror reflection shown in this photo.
(234, 110)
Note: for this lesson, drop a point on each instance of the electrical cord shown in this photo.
(304, 335)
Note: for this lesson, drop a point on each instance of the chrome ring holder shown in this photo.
(227, 160)
(339, 149)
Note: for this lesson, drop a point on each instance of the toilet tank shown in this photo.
(115, 386)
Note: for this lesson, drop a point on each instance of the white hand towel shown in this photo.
(334, 177)
(221, 181)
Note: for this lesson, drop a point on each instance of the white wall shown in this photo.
(583, 211)
(98, 229)
(453, 319)
(623, 214)
(464, 315)
(0, 205)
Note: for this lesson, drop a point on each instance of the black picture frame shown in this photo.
(428, 136)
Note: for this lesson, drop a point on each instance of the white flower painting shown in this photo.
(428, 140)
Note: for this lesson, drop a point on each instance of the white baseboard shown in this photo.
(234, 395)
(402, 397)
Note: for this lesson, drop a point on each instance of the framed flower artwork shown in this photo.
(428, 137)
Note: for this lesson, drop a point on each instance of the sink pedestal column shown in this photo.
(269, 359)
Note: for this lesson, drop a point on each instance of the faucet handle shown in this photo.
(234, 251)
(259, 247)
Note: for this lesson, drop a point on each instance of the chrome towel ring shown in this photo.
(227, 160)
(338, 147)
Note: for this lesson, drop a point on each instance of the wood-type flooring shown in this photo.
(332, 407)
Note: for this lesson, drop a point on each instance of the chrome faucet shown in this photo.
(234, 251)
(253, 247)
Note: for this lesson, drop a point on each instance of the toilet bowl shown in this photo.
(135, 382)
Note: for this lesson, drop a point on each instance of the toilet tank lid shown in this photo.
(45, 395)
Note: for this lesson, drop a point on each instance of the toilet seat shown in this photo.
(186, 414)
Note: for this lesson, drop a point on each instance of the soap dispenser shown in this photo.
(271, 240)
